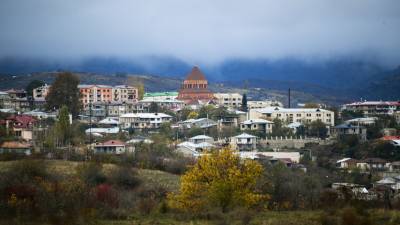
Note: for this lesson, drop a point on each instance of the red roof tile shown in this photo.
(195, 74)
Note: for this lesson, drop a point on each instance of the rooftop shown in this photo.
(290, 110)
(158, 94)
(195, 74)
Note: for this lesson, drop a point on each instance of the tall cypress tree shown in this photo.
(244, 103)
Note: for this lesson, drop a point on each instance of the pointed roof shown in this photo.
(195, 74)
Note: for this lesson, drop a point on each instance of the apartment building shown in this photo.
(374, 107)
(40, 93)
(144, 120)
(229, 99)
(290, 115)
(107, 94)
(263, 104)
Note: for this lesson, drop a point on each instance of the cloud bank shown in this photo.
(207, 31)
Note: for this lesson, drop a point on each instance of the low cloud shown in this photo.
(205, 31)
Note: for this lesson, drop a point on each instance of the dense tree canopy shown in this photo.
(32, 85)
(220, 180)
(64, 91)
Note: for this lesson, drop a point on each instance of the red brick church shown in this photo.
(195, 88)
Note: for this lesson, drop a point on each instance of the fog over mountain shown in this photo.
(201, 32)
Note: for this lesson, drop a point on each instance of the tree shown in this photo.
(206, 111)
(153, 108)
(279, 130)
(221, 180)
(311, 105)
(192, 115)
(138, 83)
(63, 126)
(64, 91)
(32, 85)
(244, 103)
(317, 129)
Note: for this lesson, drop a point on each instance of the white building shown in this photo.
(373, 107)
(229, 99)
(112, 147)
(262, 125)
(263, 104)
(201, 123)
(244, 142)
(293, 156)
(290, 115)
(144, 120)
(195, 146)
(40, 93)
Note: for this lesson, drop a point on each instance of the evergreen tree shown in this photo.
(32, 85)
(64, 91)
(244, 103)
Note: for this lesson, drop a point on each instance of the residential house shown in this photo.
(112, 147)
(373, 164)
(109, 122)
(294, 157)
(99, 132)
(290, 115)
(16, 147)
(195, 146)
(144, 120)
(201, 139)
(244, 142)
(343, 130)
(21, 126)
(364, 121)
(201, 123)
(347, 163)
(261, 125)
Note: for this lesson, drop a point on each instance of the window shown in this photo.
(298, 115)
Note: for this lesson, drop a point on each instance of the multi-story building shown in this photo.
(17, 100)
(290, 115)
(144, 120)
(40, 93)
(233, 100)
(107, 94)
(261, 125)
(373, 107)
(125, 94)
(343, 130)
(263, 104)
(195, 88)
(172, 104)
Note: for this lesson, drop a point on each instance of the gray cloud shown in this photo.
(205, 31)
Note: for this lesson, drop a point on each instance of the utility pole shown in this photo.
(90, 130)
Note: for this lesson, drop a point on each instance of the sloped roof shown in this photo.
(195, 74)
(201, 137)
(112, 143)
(245, 135)
(15, 144)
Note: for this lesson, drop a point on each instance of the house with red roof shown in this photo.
(21, 126)
(112, 147)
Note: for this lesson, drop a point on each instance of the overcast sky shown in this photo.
(201, 30)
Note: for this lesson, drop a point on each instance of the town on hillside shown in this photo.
(193, 121)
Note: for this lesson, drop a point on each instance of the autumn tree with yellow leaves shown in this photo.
(220, 179)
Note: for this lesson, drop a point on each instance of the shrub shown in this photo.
(124, 177)
(91, 173)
